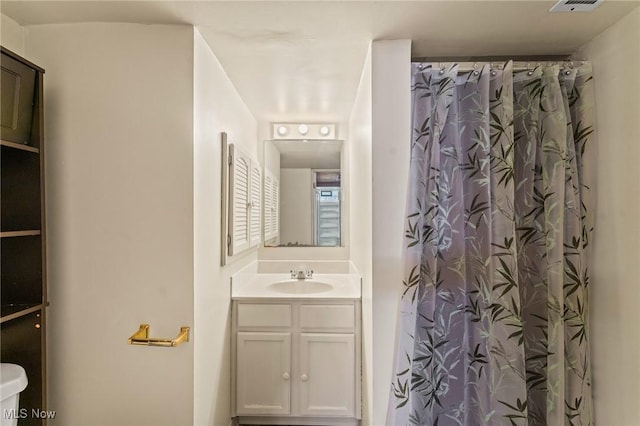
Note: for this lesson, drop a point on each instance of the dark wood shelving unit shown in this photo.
(22, 228)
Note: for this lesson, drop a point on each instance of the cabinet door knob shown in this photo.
(304, 377)
(285, 376)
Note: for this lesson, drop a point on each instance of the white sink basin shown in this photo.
(300, 287)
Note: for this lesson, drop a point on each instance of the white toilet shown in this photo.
(13, 380)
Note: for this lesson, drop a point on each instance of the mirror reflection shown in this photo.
(309, 210)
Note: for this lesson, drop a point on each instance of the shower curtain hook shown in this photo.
(529, 70)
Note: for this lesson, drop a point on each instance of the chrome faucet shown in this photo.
(302, 274)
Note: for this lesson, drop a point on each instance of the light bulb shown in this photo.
(303, 129)
(324, 130)
(282, 130)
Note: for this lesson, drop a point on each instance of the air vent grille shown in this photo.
(575, 5)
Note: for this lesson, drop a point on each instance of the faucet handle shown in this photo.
(308, 273)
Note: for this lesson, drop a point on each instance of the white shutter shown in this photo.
(271, 205)
(275, 202)
(239, 193)
(255, 209)
(245, 201)
(268, 232)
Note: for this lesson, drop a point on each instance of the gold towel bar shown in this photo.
(141, 337)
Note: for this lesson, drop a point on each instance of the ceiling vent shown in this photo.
(575, 5)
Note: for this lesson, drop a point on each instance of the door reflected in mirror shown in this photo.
(306, 176)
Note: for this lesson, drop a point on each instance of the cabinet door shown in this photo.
(327, 374)
(240, 200)
(18, 88)
(22, 345)
(271, 205)
(263, 368)
(255, 205)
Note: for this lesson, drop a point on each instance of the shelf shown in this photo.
(20, 190)
(11, 234)
(21, 271)
(11, 312)
(22, 234)
(20, 146)
(21, 59)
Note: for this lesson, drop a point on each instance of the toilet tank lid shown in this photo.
(13, 380)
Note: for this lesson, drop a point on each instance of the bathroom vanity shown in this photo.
(296, 349)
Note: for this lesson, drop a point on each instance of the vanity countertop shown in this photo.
(265, 286)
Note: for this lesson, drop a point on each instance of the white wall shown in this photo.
(615, 283)
(11, 35)
(345, 187)
(119, 155)
(217, 108)
(391, 97)
(271, 158)
(360, 228)
(304, 253)
(296, 206)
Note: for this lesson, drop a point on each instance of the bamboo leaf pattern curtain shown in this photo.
(493, 326)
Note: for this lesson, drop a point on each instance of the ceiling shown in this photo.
(310, 154)
(297, 61)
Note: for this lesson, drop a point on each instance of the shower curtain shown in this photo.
(494, 314)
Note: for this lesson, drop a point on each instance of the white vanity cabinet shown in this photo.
(297, 362)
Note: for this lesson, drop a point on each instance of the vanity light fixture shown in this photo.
(300, 131)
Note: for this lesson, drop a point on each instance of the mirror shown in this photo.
(305, 177)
